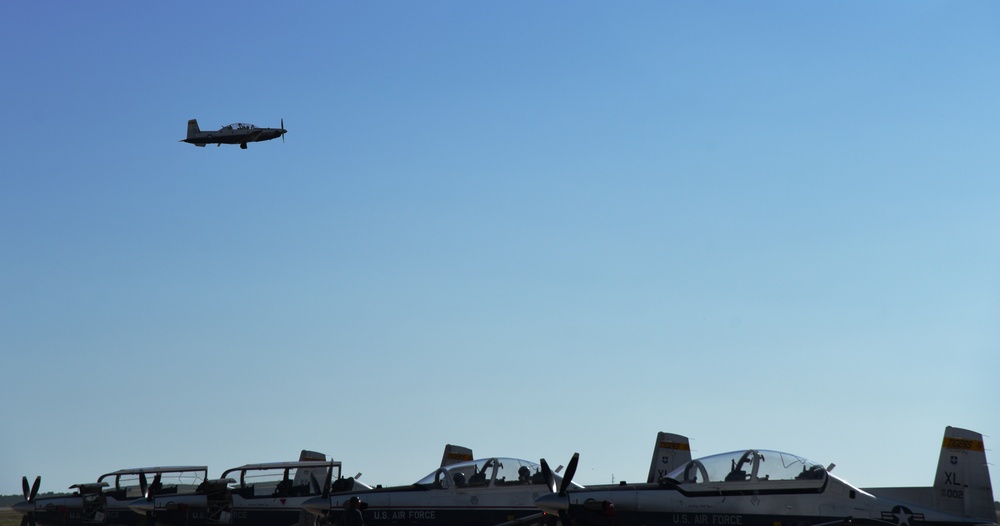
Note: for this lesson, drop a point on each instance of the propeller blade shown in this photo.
(550, 480)
(34, 488)
(24, 521)
(327, 483)
(570, 471)
(154, 486)
(282, 130)
(143, 484)
(24, 487)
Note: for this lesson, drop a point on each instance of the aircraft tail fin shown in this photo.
(962, 481)
(193, 128)
(311, 455)
(455, 454)
(671, 452)
(310, 476)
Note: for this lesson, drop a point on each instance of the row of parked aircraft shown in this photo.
(742, 488)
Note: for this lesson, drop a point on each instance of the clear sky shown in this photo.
(529, 228)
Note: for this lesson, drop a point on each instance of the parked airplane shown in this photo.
(92, 504)
(236, 133)
(770, 488)
(250, 495)
(484, 492)
(266, 494)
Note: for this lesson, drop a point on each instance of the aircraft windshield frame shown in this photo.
(752, 465)
(180, 476)
(493, 471)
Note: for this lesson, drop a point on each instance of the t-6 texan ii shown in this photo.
(236, 133)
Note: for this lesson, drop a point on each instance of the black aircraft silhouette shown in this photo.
(236, 133)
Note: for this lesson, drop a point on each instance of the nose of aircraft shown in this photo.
(24, 507)
(317, 505)
(141, 506)
(552, 503)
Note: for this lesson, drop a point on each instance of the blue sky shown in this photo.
(530, 228)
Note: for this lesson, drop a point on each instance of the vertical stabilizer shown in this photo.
(313, 477)
(193, 128)
(962, 482)
(455, 454)
(306, 455)
(671, 452)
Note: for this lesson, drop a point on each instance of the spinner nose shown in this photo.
(141, 506)
(317, 505)
(552, 503)
(24, 507)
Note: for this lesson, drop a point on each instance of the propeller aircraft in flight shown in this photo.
(236, 133)
(770, 488)
(483, 492)
(105, 502)
(250, 495)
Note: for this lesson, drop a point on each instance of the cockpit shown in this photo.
(239, 126)
(486, 472)
(753, 465)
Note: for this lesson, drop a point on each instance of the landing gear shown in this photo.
(243, 146)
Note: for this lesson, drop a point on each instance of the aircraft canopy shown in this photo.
(239, 126)
(485, 472)
(747, 466)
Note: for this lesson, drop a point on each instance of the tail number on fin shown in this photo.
(963, 444)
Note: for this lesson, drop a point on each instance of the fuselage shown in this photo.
(237, 133)
(107, 502)
(252, 495)
(743, 490)
(483, 492)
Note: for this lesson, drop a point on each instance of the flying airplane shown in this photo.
(770, 488)
(93, 504)
(236, 133)
(250, 495)
(483, 492)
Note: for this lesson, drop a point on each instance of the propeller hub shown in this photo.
(553, 503)
(317, 505)
(24, 507)
(141, 506)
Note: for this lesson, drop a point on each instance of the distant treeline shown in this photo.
(10, 500)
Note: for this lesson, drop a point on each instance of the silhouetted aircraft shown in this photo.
(236, 133)
(105, 502)
(267, 494)
(771, 488)
(262, 494)
(485, 492)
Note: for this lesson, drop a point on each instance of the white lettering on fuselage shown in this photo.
(400, 515)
